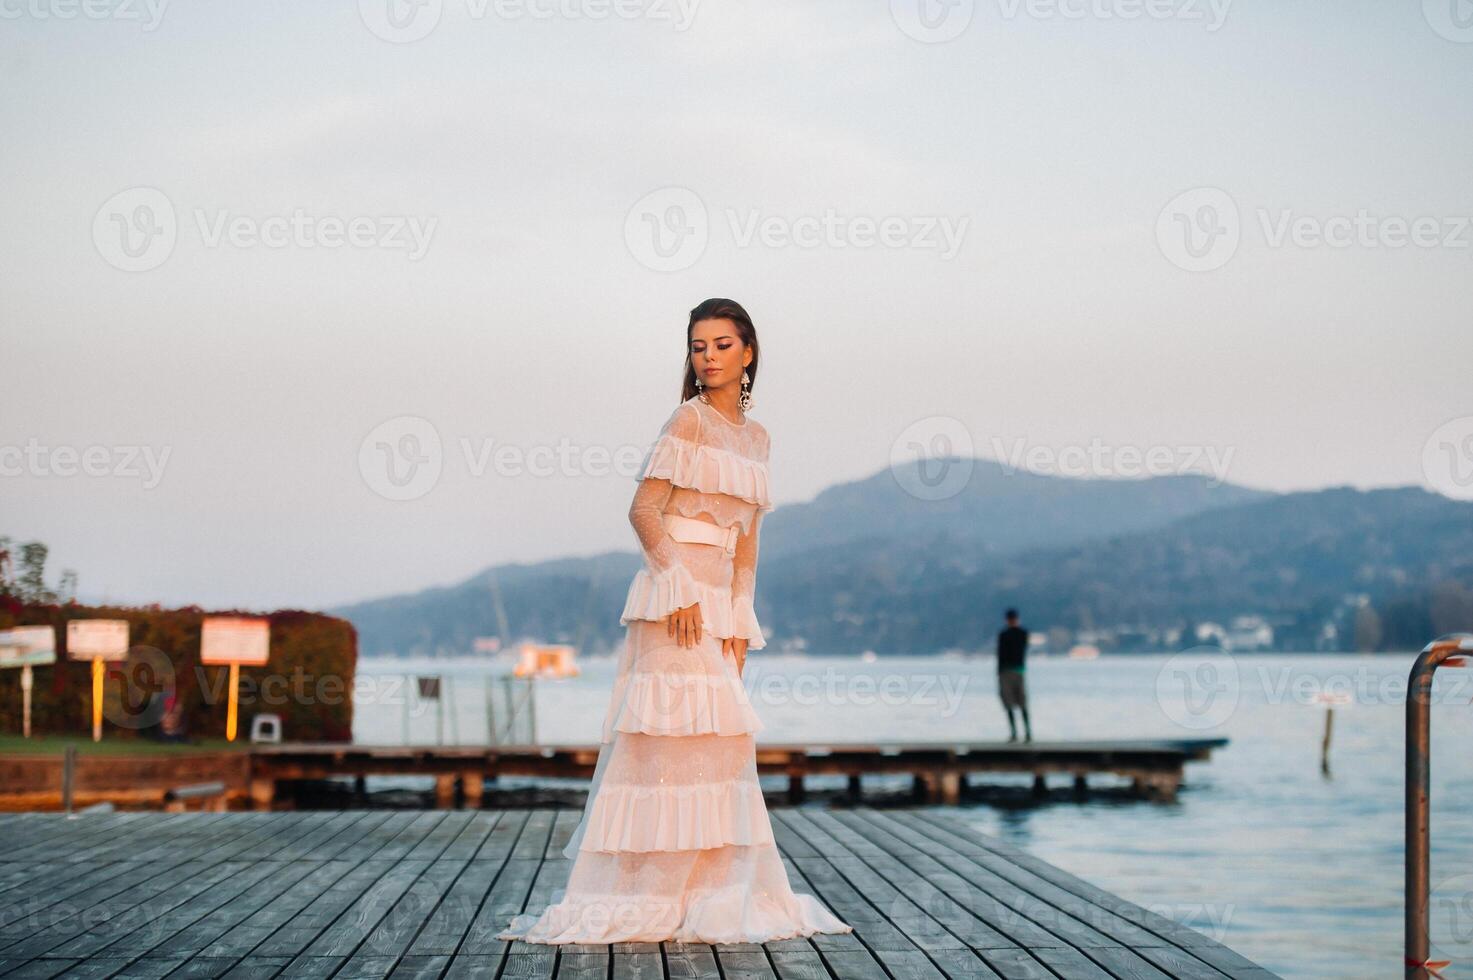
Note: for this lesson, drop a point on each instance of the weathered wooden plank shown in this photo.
(422, 894)
(419, 828)
(503, 837)
(312, 967)
(743, 961)
(893, 831)
(595, 965)
(690, 961)
(635, 964)
(536, 962)
(139, 930)
(932, 919)
(447, 928)
(803, 955)
(1122, 931)
(509, 895)
(325, 928)
(244, 925)
(420, 968)
(342, 936)
(256, 968)
(938, 934)
(473, 835)
(1013, 861)
(445, 832)
(117, 899)
(393, 935)
(963, 963)
(466, 966)
(1071, 963)
(1144, 930)
(797, 964)
(115, 840)
(875, 874)
(1148, 950)
(1018, 914)
(912, 876)
(55, 835)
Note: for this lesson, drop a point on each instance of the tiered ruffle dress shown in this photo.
(675, 842)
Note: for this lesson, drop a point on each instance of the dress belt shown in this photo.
(692, 531)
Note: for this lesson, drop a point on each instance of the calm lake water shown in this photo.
(1299, 871)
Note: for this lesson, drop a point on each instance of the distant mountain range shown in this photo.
(1130, 564)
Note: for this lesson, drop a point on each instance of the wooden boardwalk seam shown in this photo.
(380, 893)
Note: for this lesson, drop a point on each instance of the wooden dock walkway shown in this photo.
(376, 893)
(939, 769)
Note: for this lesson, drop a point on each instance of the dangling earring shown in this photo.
(745, 398)
(701, 390)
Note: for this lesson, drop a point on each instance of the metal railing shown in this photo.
(516, 723)
(1444, 651)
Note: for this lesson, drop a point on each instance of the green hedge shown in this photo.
(308, 681)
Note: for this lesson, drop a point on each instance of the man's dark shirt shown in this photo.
(1012, 644)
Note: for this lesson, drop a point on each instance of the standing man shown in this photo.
(1012, 647)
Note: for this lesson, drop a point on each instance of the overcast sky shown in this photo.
(261, 260)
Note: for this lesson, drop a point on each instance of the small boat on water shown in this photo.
(1084, 651)
(547, 660)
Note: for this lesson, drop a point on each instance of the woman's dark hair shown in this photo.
(720, 309)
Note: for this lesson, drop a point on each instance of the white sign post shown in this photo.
(234, 640)
(100, 641)
(26, 647)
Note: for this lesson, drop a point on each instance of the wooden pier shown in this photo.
(374, 893)
(1153, 767)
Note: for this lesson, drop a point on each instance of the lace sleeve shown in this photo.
(647, 509)
(665, 585)
(744, 561)
(744, 585)
(649, 526)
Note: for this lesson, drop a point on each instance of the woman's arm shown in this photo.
(670, 593)
(645, 516)
(744, 561)
(744, 586)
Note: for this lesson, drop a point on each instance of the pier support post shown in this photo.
(795, 785)
(928, 787)
(1040, 785)
(855, 794)
(474, 785)
(263, 793)
(1158, 786)
(951, 788)
(445, 791)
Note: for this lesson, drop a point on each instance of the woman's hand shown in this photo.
(737, 647)
(685, 625)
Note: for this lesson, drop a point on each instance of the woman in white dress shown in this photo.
(675, 842)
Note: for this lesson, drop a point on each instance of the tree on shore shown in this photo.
(29, 586)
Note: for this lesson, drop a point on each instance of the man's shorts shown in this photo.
(1010, 686)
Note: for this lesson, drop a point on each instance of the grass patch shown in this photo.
(56, 745)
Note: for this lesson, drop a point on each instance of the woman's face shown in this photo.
(717, 352)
